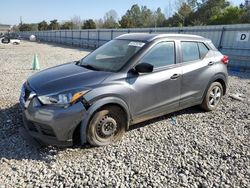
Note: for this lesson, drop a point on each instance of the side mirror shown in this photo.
(144, 68)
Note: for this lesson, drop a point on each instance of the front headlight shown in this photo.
(62, 100)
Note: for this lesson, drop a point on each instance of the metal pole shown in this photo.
(221, 38)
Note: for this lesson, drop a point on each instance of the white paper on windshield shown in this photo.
(136, 44)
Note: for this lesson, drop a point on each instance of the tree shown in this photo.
(42, 26)
(99, 23)
(231, 15)
(77, 22)
(67, 25)
(246, 15)
(110, 19)
(160, 18)
(206, 10)
(138, 17)
(89, 24)
(54, 25)
(147, 18)
(181, 17)
(28, 27)
(132, 18)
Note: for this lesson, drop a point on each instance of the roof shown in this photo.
(150, 37)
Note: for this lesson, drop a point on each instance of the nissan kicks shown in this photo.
(130, 79)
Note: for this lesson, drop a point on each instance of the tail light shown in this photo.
(225, 60)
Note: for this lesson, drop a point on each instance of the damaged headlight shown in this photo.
(63, 99)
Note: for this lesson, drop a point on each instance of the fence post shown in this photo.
(98, 38)
(112, 34)
(221, 38)
(72, 34)
(80, 38)
(88, 40)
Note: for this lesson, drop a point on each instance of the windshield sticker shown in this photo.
(136, 44)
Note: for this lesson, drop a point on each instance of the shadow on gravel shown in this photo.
(16, 144)
(191, 110)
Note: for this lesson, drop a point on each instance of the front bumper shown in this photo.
(52, 125)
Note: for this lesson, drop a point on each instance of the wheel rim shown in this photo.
(214, 96)
(106, 127)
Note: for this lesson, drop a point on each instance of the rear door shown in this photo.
(156, 93)
(197, 69)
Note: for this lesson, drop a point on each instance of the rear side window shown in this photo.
(162, 54)
(190, 51)
(203, 50)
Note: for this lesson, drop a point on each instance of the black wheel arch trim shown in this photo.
(218, 76)
(97, 105)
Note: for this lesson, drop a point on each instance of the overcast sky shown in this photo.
(33, 11)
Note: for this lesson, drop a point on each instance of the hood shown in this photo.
(64, 78)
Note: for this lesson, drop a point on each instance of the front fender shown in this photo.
(97, 105)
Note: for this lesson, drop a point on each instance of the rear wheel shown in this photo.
(213, 97)
(106, 126)
(5, 40)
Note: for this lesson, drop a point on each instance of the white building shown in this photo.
(4, 28)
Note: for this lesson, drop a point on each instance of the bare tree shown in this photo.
(77, 22)
(112, 14)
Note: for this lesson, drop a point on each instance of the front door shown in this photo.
(156, 93)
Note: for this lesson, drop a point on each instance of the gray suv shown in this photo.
(133, 78)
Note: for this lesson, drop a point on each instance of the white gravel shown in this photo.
(201, 150)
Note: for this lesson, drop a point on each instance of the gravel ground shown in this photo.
(201, 150)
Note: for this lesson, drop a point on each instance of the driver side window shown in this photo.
(162, 54)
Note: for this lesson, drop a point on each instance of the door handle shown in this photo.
(210, 63)
(175, 76)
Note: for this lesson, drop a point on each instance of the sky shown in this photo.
(34, 11)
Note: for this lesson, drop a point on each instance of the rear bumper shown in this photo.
(52, 125)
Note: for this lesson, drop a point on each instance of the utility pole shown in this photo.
(21, 21)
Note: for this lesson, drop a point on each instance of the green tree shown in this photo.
(132, 18)
(67, 25)
(42, 26)
(230, 15)
(28, 27)
(25, 27)
(160, 18)
(206, 10)
(89, 24)
(246, 15)
(139, 17)
(54, 25)
(147, 18)
(181, 17)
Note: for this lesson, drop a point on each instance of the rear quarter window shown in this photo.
(190, 51)
(203, 50)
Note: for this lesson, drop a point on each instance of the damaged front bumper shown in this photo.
(48, 124)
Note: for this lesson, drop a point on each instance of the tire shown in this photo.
(106, 126)
(5, 40)
(213, 97)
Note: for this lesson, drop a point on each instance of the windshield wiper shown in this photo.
(88, 66)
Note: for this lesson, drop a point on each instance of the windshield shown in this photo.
(112, 56)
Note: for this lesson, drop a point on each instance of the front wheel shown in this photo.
(212, 97)
(106, 126)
